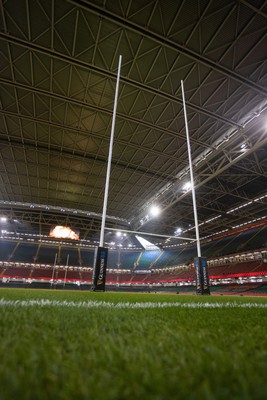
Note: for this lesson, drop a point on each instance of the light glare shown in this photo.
(187, 186)
(155, 211)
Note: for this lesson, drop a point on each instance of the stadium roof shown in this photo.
(58, 70)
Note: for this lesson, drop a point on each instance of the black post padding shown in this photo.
(100, 267)
(202, 276)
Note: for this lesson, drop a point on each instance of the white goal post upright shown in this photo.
(191, 173)
(101, 242)
(201, 268)
(100, 264)
(53, 272)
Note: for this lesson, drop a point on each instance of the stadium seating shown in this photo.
(17, 272)
(47, 254)
(7, 249)
(248, 268)
(261, 289)
(86, 276)
(148, 258)
(138, 279)
(154, 277)
(128, 259)
(124, 277)
(114, 259)
(25, 252)
(87, 257)
(70, 256)
(169, 268)
(165, 259)
(185, 256)
(42, 273)
(73, 275)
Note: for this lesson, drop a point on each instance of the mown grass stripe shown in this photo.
(124, 305)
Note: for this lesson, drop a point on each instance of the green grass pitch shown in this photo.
(114, 346)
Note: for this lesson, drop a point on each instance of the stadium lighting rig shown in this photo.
(247, 204)
(155, 211)
(150, 234)
(187, 186)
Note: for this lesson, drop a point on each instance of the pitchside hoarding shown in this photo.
(202, 276)
(100, 266)
(206, 284)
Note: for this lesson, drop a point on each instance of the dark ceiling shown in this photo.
(59, 62)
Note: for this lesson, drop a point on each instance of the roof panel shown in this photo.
(58, 76)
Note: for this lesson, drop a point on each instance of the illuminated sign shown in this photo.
(63, 232)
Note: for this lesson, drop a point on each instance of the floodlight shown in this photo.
(244, 147)
(118, 234)
(154, 211)
(187, 186)
(3, 219)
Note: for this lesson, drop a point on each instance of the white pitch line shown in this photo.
(123, 305)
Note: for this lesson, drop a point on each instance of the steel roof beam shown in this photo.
(83, 156)
(162, 40)
(35, 208)
(70, 60)
(209, 171)
(70, 100)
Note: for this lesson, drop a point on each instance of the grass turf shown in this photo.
(55, 352)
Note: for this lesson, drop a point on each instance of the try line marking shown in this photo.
(123, 305)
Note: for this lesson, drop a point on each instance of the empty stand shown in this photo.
(25, 252)
(47, 254)
(87, 257)
(148, 258)
(128, 259)
(7, 249)
(69, 255)
(165, 259)
(42, 273)
(17, 272)
(86, 276)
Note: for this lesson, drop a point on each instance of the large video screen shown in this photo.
(63, 232)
